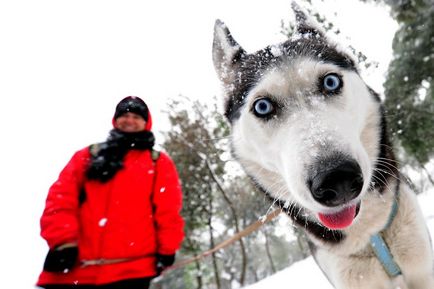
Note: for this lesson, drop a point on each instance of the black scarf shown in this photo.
(109, 158)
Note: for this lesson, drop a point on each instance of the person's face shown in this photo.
(130, 122)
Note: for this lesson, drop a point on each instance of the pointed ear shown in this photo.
(304, 24)
(226, 53)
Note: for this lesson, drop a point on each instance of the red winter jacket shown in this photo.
(134, 215)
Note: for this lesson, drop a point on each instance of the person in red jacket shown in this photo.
(112, 219)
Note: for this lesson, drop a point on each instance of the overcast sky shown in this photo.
(64, 65)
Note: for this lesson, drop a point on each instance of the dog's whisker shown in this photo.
(383, 183)
(387, 173)
(389, 159)
(389, 162)
(385, 164)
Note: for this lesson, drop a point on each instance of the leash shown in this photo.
(380, 247)
(247, 231)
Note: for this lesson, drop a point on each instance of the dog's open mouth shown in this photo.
(340, 220)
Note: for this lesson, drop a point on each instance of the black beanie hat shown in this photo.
(132, 104)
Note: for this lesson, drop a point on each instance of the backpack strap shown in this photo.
(94, 149)
(155, 155)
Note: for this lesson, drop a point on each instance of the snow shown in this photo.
(276, 50)
(102, 222)
(303, 274)
(306, 274)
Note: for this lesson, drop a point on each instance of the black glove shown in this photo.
(164, 261)
(61, 259)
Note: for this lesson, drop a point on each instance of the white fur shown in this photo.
(277, 152)
(288, 144)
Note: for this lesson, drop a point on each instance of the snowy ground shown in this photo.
(306, 274)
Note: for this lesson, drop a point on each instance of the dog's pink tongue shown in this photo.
(339, 220)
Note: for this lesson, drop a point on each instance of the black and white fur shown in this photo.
(310, 134)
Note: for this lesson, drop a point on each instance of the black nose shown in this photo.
(339, 185)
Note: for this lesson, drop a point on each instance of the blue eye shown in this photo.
(331, 82)
(263, 107)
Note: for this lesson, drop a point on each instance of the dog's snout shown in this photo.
(339, 185)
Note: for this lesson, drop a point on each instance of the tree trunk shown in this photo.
(236, 222)
(212, 244)
(197, 265)
(267, 249)
(427, 174)
(199, 275)
(254, 273)
(302, 243)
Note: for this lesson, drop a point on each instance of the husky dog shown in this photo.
(312, 135)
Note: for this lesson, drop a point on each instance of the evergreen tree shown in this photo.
(187, 144)
(196, 144)
(409, 83)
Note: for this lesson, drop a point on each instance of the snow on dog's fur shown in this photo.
(312, 135)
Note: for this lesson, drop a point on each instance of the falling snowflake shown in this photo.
(102, 222)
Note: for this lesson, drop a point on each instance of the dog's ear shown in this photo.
(304, 24)
(226, 53)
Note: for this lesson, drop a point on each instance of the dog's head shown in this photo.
(305, 126)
